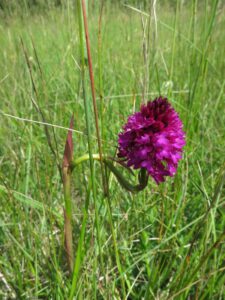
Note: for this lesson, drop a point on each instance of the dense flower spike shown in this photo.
(153, 139)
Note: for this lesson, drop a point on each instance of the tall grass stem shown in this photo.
(91, 162)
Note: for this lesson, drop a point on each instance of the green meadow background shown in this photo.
(169, 238)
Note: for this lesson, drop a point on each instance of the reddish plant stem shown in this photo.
(68, 218)
(67, 170)
(93, 94)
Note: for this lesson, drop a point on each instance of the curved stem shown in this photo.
(84, 158)
(143, 178)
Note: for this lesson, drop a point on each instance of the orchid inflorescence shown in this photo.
(153, 139)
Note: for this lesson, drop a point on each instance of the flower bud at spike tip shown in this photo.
(153, 139)
(68, 152)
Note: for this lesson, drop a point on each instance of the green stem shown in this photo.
(143, 178)
(93, 93)
(90, 158)
(79, 255)
(118, 262)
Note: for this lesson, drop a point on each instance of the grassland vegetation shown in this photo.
(170, 237)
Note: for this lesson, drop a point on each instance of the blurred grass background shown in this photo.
(170, 237)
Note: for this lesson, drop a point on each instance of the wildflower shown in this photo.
(153, 139)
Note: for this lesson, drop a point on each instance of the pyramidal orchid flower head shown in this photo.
(153, 139)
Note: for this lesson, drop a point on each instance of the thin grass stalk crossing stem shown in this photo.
(93, 93)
